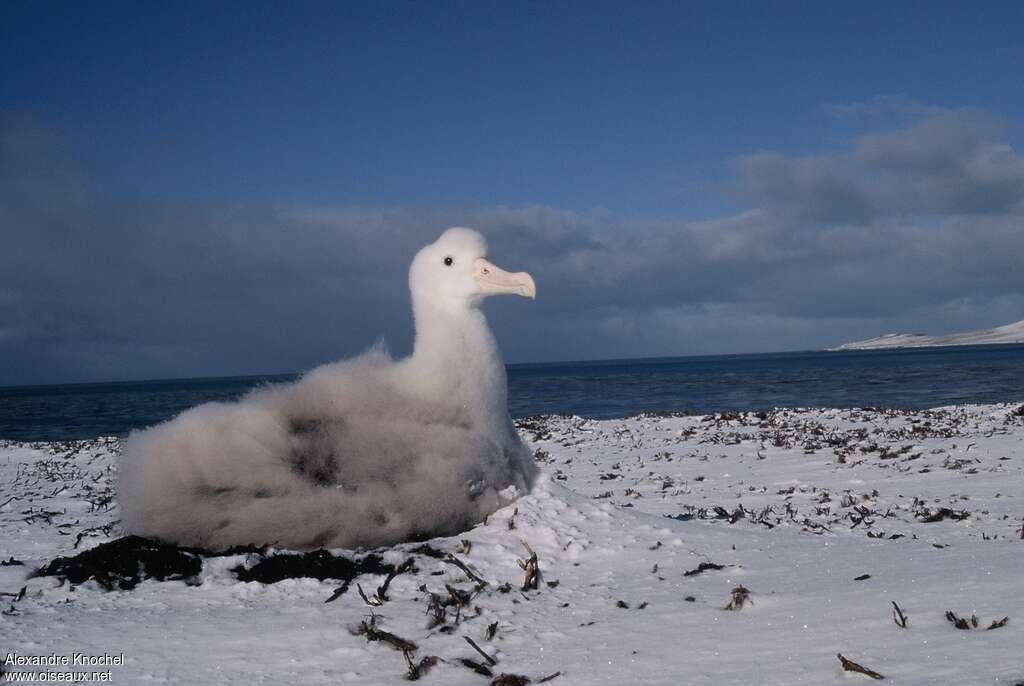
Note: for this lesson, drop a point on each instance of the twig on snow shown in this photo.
(490, 660)
(851, 666)
(898, 616)
(418, 669)
(473, 576)
(397, 642)
(740, 595)
(531, 567)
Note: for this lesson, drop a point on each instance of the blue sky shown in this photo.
(565, 130)
(637, 107)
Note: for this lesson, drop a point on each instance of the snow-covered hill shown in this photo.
(1011, 333)
(643, 529)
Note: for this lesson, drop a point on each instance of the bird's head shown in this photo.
(453, 272)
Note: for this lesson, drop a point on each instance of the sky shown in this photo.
(192, 189)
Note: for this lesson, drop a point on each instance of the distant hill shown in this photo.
(1011, 333)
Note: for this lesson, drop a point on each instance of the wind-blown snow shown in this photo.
(1010, 333)
(795, 505)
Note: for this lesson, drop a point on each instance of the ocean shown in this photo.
(908, 378)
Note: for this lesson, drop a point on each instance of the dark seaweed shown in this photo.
(125, 562)
(318, 564)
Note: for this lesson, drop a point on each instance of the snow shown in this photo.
(1010, 333)
(622, 510)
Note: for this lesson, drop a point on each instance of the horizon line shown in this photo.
(551, 363)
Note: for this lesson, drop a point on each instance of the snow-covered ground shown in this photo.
(1010, 333)
(827, 517)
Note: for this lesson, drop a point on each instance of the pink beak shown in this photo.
(492, 279)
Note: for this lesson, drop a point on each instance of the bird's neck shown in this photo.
(455, 353)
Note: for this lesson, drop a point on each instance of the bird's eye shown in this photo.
(448, 261)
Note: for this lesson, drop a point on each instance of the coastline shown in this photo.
(1010, 334)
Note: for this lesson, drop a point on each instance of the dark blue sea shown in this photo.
(920, 378)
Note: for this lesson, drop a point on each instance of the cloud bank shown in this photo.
(915, 225)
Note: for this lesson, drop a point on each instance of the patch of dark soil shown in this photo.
(703, 567)
(928, 516)
(125, 562)
(318, 564)
(429, 551)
